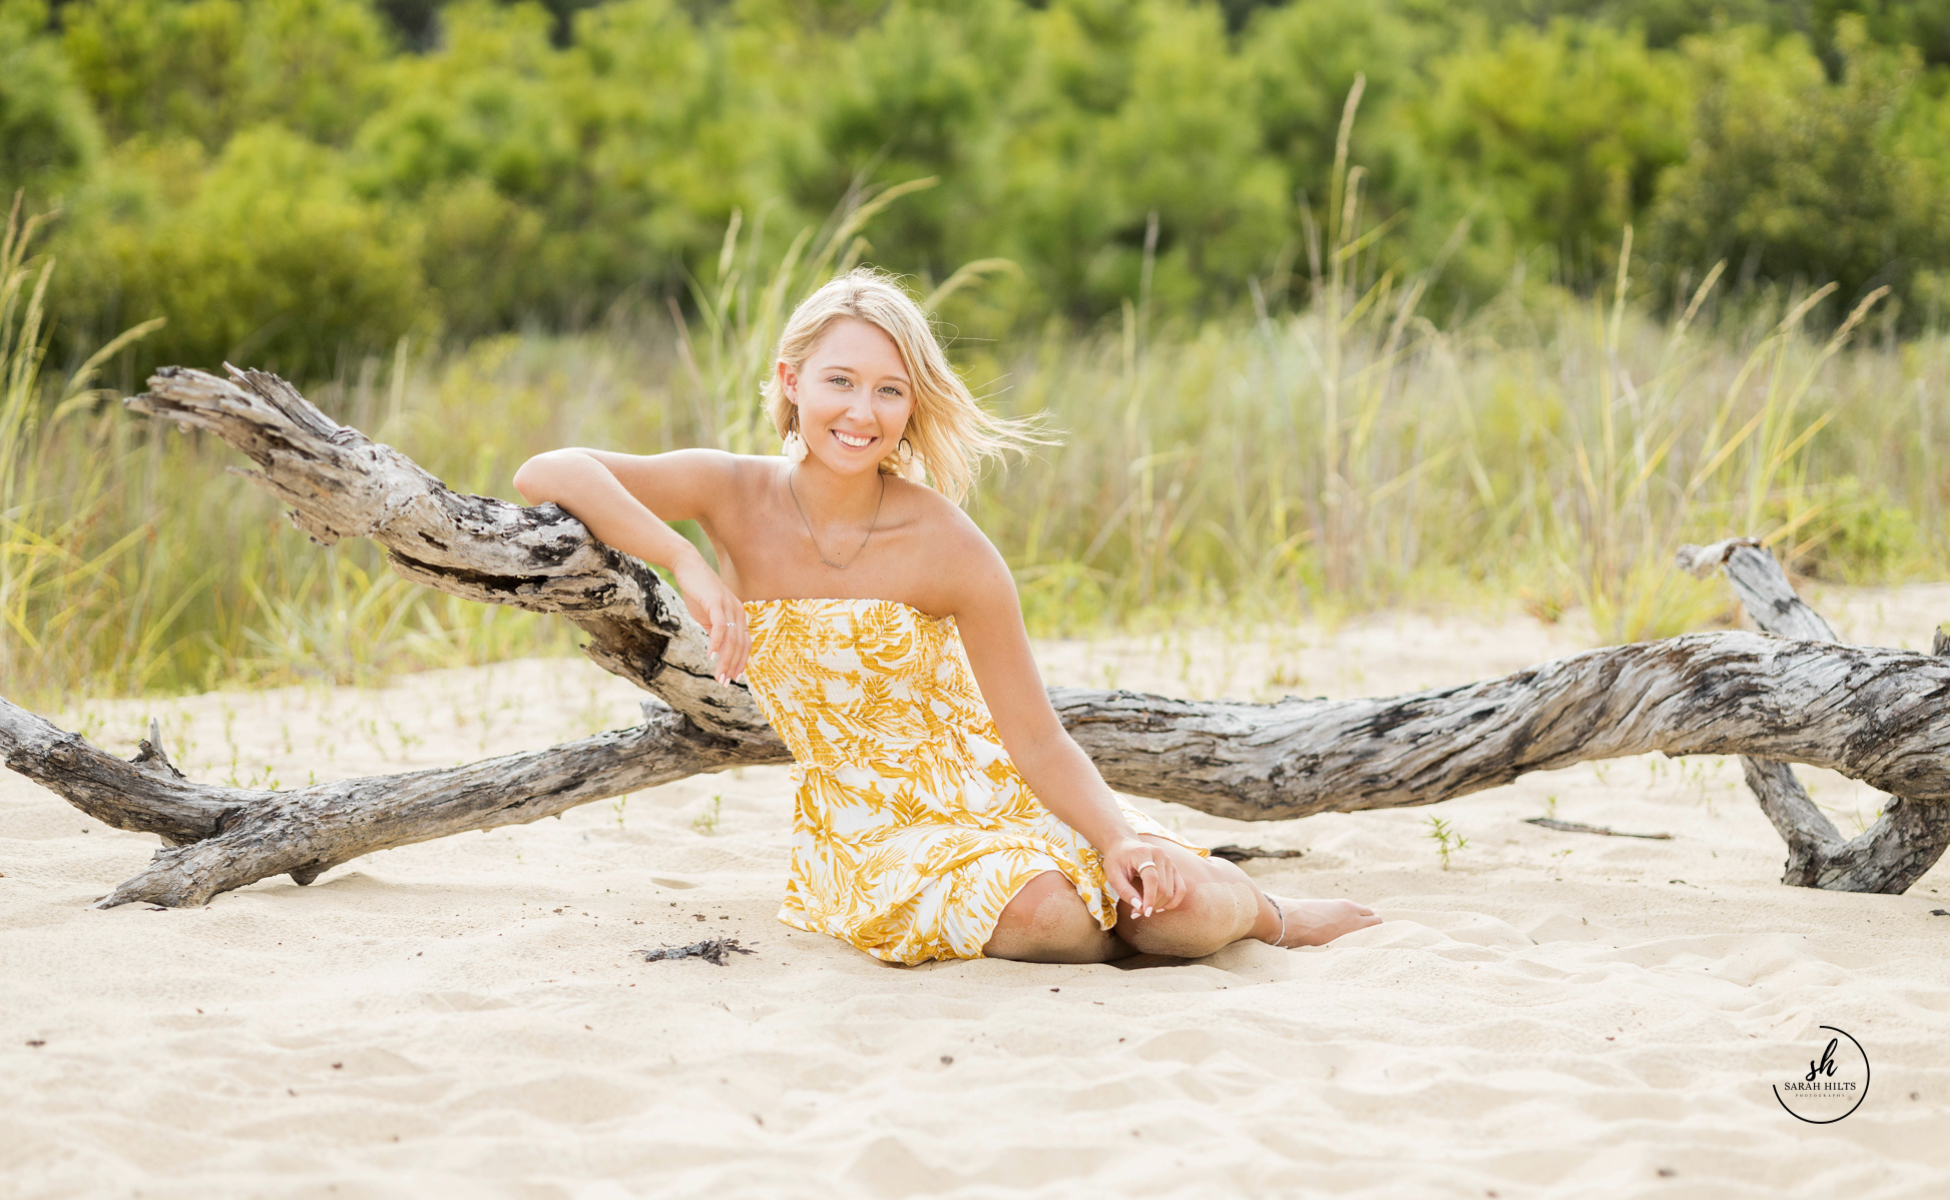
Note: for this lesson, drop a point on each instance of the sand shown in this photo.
(1550, 1015)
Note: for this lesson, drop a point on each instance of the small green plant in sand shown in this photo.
(616, 806)
(1852, 814)
(1286, 675)
(1694, 776)
(1447, 840)
(706, 822)
(265, 777)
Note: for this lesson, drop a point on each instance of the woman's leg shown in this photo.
(1223, 905)
(1046, 921)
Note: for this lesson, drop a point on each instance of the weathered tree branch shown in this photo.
(1872, 714)
(222, 838)
(341, 484)
(1876, 715)
(1907, 838)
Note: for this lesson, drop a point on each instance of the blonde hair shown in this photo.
(949, 432)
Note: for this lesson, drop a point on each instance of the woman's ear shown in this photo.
(788, 381)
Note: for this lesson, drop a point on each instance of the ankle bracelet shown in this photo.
(1281, 914)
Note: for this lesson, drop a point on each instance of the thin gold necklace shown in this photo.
(811, 537)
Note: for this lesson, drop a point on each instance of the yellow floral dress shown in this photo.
(912, 829)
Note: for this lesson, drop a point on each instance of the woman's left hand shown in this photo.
(1144, 876)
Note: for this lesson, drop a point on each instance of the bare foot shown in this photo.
(1318, 922)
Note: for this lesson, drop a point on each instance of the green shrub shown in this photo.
(48, 134)
(484, 256)
(1924, 24)
(543, 163)
(266, 255)
(207, 68)
(565, 177)
(1137, 109)
(1304, 59)
(926, 91)
(1793, 176)
(1556, 137)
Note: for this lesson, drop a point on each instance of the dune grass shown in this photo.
(1555, 453)
(1550, 449)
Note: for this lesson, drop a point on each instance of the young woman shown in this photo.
(942, 811)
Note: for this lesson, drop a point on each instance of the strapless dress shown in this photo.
(911, 828)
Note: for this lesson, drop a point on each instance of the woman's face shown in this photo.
(853, 394)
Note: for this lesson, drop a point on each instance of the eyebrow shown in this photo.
(857, 371)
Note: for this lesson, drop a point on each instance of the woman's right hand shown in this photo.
(1145, 876)
(720, 612)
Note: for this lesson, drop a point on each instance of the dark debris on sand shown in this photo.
(711, 950)
(1242, 853)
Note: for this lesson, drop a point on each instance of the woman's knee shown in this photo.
(1046, 921)
(1216, 912)
(1041, 907)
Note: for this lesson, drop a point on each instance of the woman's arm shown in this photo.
(620, 498)
(989, 616)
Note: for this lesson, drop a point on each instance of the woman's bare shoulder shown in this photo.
(730, 467)
(933, 514)
(954, 562)
(750, 468)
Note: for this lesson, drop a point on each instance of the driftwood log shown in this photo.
(1907, 838)
(1873, 714)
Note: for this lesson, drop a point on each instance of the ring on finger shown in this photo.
(1150, 866)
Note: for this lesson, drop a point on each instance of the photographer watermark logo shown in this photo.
(1834, 1084)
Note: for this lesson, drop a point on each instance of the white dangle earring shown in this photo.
(795, 446)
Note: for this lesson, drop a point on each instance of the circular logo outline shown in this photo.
(1858, 1100)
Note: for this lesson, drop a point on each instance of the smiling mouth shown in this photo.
(852, 441)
